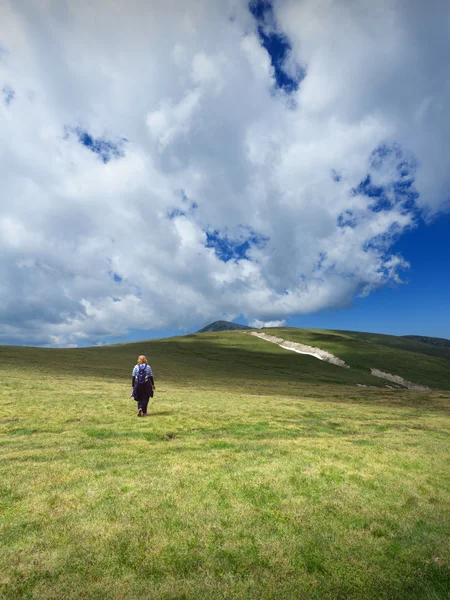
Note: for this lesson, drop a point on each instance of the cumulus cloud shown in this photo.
(260, 324)
(165, 175)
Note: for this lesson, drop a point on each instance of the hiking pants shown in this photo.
(143, 403)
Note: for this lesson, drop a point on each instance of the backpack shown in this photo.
(142, 376)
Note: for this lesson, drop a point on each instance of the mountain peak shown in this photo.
(222, 326)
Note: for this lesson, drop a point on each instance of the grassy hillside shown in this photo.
(441, 343)
(214, 359)
(259, 474)
(210, 361)
(415, 361)
(401, 342)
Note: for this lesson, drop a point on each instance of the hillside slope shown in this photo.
(260, 473)
(230, 358)
(441, 343)
(212, 361)
(415, 361)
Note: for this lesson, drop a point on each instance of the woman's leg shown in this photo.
(141, 405)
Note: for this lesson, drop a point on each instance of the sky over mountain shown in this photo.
(167, 163)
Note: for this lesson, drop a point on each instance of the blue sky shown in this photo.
(264, 162)
(421, 306)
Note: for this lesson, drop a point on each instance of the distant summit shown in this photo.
(222, 326)
(439, 342)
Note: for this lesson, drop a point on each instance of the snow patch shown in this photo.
(334, 360)
(399, 380)
(302, 349)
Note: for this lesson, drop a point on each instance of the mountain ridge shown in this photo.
(426, 339)
(432, 342)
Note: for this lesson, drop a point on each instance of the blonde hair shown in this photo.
(142, 360)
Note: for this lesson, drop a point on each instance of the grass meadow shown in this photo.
(260, 474)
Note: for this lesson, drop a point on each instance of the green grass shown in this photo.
(260, 474)
(417, 362)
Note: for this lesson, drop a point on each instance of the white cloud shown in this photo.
(260, 324)
(171, 120)
(89, 250)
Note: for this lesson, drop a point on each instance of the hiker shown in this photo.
(143, 385)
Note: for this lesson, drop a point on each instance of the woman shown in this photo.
(143, 385)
